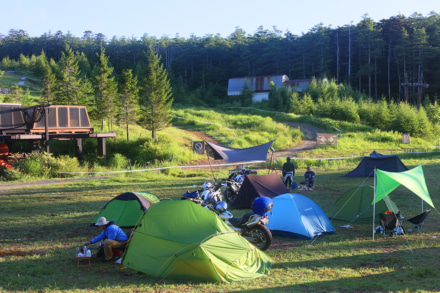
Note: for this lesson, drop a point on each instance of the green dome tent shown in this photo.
(180, 239)
(355, 205)
(127, 208)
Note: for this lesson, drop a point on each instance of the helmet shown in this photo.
(221, 206)
(207, 185)
(262, 205)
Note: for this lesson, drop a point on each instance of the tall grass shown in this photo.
(242, 130)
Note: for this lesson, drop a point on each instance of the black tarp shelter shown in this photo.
(232, 155)
(378, 161)
(254, 186)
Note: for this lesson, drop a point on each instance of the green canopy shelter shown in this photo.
(127, 208)
(413, 179)
(180, 239)
(355, 205)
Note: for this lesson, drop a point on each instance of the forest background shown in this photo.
(365, 64)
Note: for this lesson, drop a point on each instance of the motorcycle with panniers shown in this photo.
(233, 183)
(252, 226)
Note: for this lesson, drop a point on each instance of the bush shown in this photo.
(118, 162)
(46, 166)
(409, 120)
(10, 174)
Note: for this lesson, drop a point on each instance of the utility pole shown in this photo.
(420, 85)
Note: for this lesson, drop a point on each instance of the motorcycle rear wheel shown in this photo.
(228, 196)
(262, 237)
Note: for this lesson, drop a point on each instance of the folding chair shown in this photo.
(418, 220)
(390, 223)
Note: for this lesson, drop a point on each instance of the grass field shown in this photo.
(42, 225)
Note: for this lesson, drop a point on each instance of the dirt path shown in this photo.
(308, 143)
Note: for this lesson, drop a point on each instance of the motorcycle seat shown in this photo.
(237, 222)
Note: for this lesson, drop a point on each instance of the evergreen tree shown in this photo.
(40, 64)
(275, 99)
(128, 98)
(49, 85)
(105, 89)
(156, 99)
(69, 86)
(246, 96)
(15, 96)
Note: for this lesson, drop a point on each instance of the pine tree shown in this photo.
(156, 99)
(105, 89)
(48, 80)
(128, 98)
(69, 87)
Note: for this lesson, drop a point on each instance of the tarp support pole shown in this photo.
(213, 175)
(374, 200)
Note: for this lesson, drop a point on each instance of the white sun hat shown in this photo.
(102, 221)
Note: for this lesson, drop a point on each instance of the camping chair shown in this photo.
(390, 223)
(418, 220)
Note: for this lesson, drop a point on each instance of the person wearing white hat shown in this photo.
(112, 235)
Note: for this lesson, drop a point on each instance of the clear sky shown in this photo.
(134, 18)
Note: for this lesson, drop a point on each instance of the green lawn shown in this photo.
(42, 225)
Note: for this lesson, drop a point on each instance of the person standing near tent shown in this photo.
(112, 235)
(309, 175)
(288, 172)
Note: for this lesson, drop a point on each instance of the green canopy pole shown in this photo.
(374, 199)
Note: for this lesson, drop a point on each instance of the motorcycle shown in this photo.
(232, 189)
(252, 226)
(209, 194)
(233, 183)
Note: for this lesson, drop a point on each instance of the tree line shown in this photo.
(375, 58)
(367, 62)
(145, 98)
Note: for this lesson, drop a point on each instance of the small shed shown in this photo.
(260, 85)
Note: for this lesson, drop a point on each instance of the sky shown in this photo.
(134, 18)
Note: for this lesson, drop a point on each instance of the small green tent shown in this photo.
(355, 205)
(180, 239)
(127, 208)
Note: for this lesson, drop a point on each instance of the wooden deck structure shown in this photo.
(44, 123)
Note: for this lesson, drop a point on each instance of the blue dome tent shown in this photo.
(294, 215)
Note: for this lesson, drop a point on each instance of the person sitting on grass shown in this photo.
(112, 235)
(310, 177)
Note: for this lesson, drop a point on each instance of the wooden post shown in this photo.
(34, 146)
(79, 148)
(46, 126)
(101, 147)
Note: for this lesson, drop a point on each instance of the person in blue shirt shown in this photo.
(309, 175)
(112, 235)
